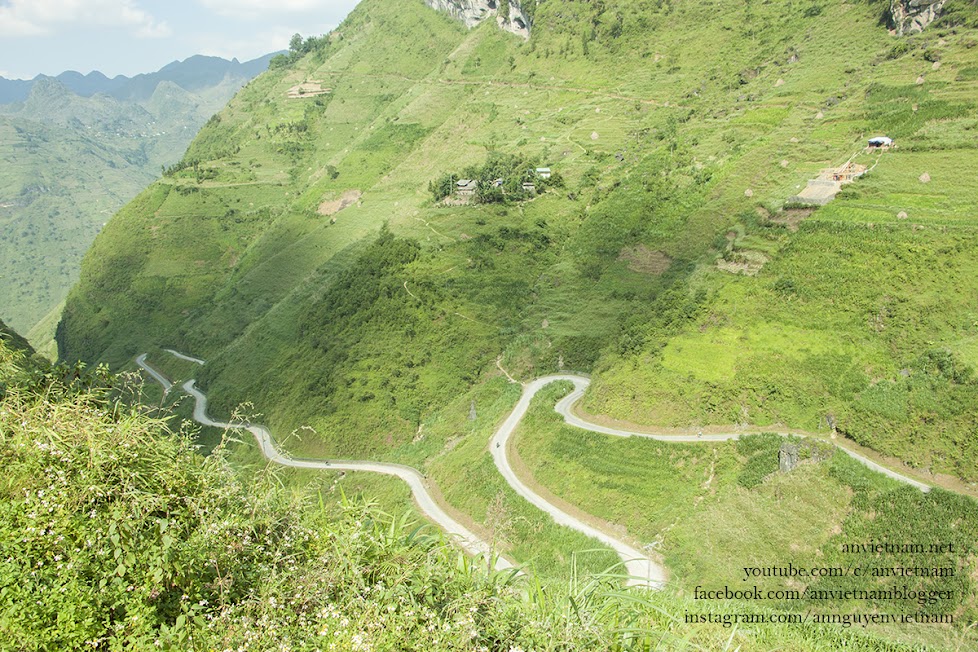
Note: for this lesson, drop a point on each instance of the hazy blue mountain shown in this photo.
(14, 90)
(193, 74)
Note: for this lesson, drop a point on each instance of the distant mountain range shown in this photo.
(75, 148)
(193, 74)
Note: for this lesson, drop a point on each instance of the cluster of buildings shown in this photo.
(466, 188)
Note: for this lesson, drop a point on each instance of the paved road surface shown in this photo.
(466, 539)
(182, 356)
(643, 571)
(157, 376)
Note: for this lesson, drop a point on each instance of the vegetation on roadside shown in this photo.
(714, 508)
(137, 541)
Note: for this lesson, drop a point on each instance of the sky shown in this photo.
(127, 37)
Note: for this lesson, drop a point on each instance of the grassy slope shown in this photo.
(240, 269)
(171, 549)
(690, 501)
(854, 299)
(259, 256)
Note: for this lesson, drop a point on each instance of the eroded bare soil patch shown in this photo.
(333, 206)
(644, 260)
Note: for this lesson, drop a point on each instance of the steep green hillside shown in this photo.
(14, 341)
(300, 249)
(671, 126)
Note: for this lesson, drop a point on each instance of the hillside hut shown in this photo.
(466, 187)
(544, 173)
(880, 142)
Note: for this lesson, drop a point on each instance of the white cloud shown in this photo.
(40, 17)
(13, 25)
(253, 9)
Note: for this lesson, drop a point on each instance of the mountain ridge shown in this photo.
(72, 160)
(192, 74)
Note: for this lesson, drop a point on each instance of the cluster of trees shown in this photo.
(499, 180)
(199, 173)
(298, 48)
(216, 148)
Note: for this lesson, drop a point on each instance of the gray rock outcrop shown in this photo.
(912, 16)
(473, 12)
(788, 456)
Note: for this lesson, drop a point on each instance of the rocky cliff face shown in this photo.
(912, 16)
(473, 12)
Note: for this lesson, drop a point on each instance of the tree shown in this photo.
(443, 187)
(278, 61)
(295, 44)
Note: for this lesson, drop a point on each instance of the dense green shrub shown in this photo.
(761, 452)
(512, 170)
(443, 187)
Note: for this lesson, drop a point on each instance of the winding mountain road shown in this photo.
(565, 408)
(182, 356)
(157, 376)
(643, 571)
(468, 541)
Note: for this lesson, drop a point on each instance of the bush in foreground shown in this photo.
(116, 534)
